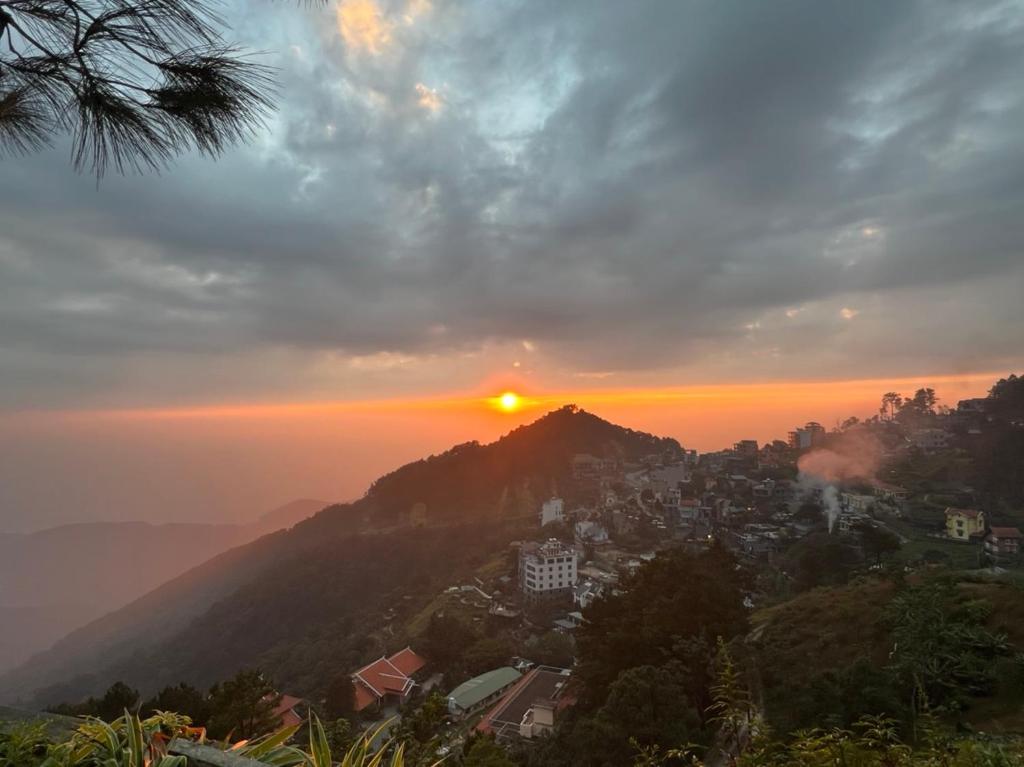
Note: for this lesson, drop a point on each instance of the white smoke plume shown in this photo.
(851, 456)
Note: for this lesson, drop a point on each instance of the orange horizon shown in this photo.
(777, 392)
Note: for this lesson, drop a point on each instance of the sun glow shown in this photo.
(509, 402)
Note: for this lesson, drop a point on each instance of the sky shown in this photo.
(792, 203)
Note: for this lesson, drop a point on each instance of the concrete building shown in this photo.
(1003, 543)
(547, 571)
(807, 437)
(964, 524)
(552, 510)
(930, 440)
(530, 708)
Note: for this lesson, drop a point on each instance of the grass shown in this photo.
(830, 628)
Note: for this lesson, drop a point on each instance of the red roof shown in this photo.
(969, 513)
(1005, 532)
(407, 661)
(364, 697)
(286, 713)
(386, 676)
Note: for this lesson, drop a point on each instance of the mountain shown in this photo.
(313, 601)
(56, 580)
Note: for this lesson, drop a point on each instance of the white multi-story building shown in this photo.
(547, 571)
(552, 510)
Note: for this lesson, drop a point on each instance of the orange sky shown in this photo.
(229, 462)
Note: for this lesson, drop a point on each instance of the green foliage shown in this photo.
(484, 752)
(23, 745)
(243, 706)
(552, 649)
(182, 698)
(340, 701)
(487, 653)
(126, 741)
(673, 608)
(941, 654)
(118, 698)
(129, 741)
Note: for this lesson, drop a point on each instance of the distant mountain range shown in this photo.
(55, 580)
(305, 603)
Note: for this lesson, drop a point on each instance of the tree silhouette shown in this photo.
(135, 82)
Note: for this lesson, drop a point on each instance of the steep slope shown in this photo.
(56, 580)
(330, 575)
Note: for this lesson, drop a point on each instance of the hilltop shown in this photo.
(293, 600)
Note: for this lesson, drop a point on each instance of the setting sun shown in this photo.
(509, 401)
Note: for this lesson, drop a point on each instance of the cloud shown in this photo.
(633, 193)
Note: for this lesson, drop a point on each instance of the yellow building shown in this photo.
(961, 524)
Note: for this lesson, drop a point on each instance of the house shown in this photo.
(856, 503)
(586, 592)
(889, 493)
(552, 510)
(289, 711)
(387, 680)
(811, 435)
(1003, 543)
(481, 691)
(930, 440)
(547, 571)
(589, 467)
(964, 524)
(590, 532)
(530, 708)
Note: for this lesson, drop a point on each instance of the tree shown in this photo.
(484, 752)
(669, 610)
(340, 701)
(339, 735)
(118, 698)
(552, 649)
(488, 653)
(891, 404)
(243, 706)
(446, 639)
(182, 699)
(877, 541)
(135, 82)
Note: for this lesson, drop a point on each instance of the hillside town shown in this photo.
(876, 495)
(581, 606)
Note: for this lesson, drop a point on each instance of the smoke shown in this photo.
(851, 456)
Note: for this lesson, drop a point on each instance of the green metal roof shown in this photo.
(468, 694)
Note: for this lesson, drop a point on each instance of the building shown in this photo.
(807, 437)
(587, 467)
(387, 680)
(547, 571)
(586, 592)
(856, 503)
(930, 440)
(588, 532)
(1003, 543)
(746, 447)
(481, 691)
(964, 524)
(530, 708)
(552, 510)
(889, 493)
(289, 711)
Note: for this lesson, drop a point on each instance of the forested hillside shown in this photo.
(291, 600)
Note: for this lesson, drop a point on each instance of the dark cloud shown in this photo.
(629, 187)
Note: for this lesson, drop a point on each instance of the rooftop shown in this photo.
(468, 694)
(544, 684)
